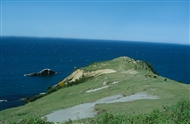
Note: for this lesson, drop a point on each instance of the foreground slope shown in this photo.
(121, 76)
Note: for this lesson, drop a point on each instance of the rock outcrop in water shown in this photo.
(3, 101)
(44, 72)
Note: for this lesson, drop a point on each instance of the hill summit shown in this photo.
(120, 65)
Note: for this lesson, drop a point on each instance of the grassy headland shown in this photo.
(132, 76)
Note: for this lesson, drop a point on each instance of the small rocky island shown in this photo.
(44, 72)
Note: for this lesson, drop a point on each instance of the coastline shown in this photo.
(64, 54)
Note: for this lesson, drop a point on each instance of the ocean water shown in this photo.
(22, 55)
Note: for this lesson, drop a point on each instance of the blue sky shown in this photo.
(157, 21)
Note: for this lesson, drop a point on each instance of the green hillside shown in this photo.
(123, 75)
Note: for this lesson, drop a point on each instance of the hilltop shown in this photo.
(106, 84)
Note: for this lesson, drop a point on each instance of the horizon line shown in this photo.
(45, 37)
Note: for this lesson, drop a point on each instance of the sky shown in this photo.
(150, 21)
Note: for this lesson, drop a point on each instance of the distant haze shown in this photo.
(160, 21)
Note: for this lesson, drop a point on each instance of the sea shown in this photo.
(23, 55)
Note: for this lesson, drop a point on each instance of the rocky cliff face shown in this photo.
(79, 74)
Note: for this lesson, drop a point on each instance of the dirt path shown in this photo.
(86, 110)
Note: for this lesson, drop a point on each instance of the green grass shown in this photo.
(177, 113)
(169, 92)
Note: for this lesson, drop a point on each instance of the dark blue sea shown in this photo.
(21, 55)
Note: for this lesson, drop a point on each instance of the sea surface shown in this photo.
(22, 55)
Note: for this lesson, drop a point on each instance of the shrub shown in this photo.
(150, 67)
(49, 91)
(53, 89)
(34, 120)
(78, 81)
(48, 88)
(34, 98)
(61, 83)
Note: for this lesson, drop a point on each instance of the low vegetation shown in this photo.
(150, 67)
(34, 120)
(49, 91)
(56, 88)
(175, 114)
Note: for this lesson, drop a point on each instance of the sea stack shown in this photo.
(44, 72)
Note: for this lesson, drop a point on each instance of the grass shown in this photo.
(169, 92)
(176, 113)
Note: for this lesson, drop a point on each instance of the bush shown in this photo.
(79, 81)
(60, 85)
(150, 66)
(35, 120)
(34, 98)
(48, 88)
(53, 89)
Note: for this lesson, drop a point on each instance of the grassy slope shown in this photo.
(169, 92)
